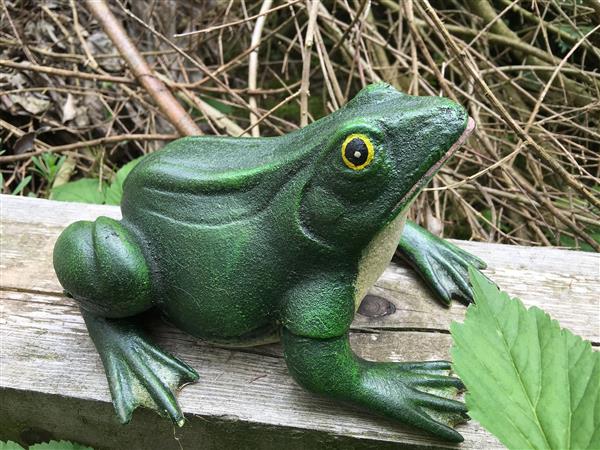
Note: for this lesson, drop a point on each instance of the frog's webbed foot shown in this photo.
(430, 395)
(138, 372)
(443, 265)
(422, 393)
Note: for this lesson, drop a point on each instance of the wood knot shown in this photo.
(375, 306)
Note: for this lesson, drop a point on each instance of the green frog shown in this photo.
(243, 241)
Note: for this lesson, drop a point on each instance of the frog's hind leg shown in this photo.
(443, 266)
(101, 266)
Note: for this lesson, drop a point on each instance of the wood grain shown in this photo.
(50, 353)
(49, 364)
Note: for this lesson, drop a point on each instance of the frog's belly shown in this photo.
(215, 283)
(376, 257)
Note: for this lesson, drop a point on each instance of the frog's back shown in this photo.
(202, 206)
(210, 180)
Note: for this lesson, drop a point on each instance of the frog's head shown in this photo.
(379, 151)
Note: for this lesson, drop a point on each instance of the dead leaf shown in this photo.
(69, 109)
(24, 143)
(434, 225)
(100, 44)
(32, 103)
(17, 80)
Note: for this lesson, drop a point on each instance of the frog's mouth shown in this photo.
(407, 199)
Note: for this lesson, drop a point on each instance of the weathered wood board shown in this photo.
(52, 383)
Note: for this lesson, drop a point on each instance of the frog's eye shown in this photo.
(357, 151)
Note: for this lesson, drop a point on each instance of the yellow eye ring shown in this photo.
(357, 151)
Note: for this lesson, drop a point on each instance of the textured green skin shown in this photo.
(235, 238)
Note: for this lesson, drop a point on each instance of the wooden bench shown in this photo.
(53, 384)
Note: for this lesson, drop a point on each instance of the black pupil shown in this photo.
(357, 152)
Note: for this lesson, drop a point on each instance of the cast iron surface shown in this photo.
(243, 240)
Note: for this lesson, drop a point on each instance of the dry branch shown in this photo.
(157, 90)
(91, 143)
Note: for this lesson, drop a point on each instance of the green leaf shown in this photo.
(10, 445)
(529, 382)
(115, 191)
(24, 182)
(59, 445)
(86, 190)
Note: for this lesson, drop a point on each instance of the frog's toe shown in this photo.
(439, 381)
(427, 365)
(423, 420)
(442, 404)
(431, 374)
(452, 275)
(142, 381)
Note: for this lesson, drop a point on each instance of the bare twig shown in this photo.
(253, 62)
(313, 8)
(65, 73)
(263, 12)
(90, 143)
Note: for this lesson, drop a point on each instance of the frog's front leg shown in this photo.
(101, 266)
(443, 266)
(316, 319)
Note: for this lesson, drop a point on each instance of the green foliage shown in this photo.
(85, 190)
(531, 383)
(24, 182)
(575, 33)
(219, 105)
(10, 445)
(570, 242)
(91, 190)
(52, 445)
(115, 191)
(47, 165)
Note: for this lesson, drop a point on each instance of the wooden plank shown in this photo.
(55, 379)
(50, 353)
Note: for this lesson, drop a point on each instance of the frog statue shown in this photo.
(243, 241)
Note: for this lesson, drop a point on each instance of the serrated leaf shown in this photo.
(86, 190)
(59, 445)
(10, 445)
(529, 382)
(115, 192)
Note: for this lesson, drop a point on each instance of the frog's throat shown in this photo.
(376, 257)
(406, 199)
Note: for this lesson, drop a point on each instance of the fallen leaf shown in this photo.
(32, 103)
(24, 143)
(434, 225)
(100, 44)
(69, 109)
